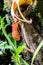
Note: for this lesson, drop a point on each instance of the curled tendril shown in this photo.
(28, 21)
(14, 15)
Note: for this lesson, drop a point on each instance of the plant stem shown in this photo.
(10, 42)
(36, 52)
(5, 34)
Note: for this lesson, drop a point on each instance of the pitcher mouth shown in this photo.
(16, 4)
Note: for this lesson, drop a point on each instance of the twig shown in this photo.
(29, 50)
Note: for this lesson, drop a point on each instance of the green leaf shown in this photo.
(7, 19)
(5, 46)
(1, 53)
(0, 18)
(0, 22)
(0, 27)
(24, 62)
(20, 48)
(5, 4)
(36, 52)
(2, 43)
